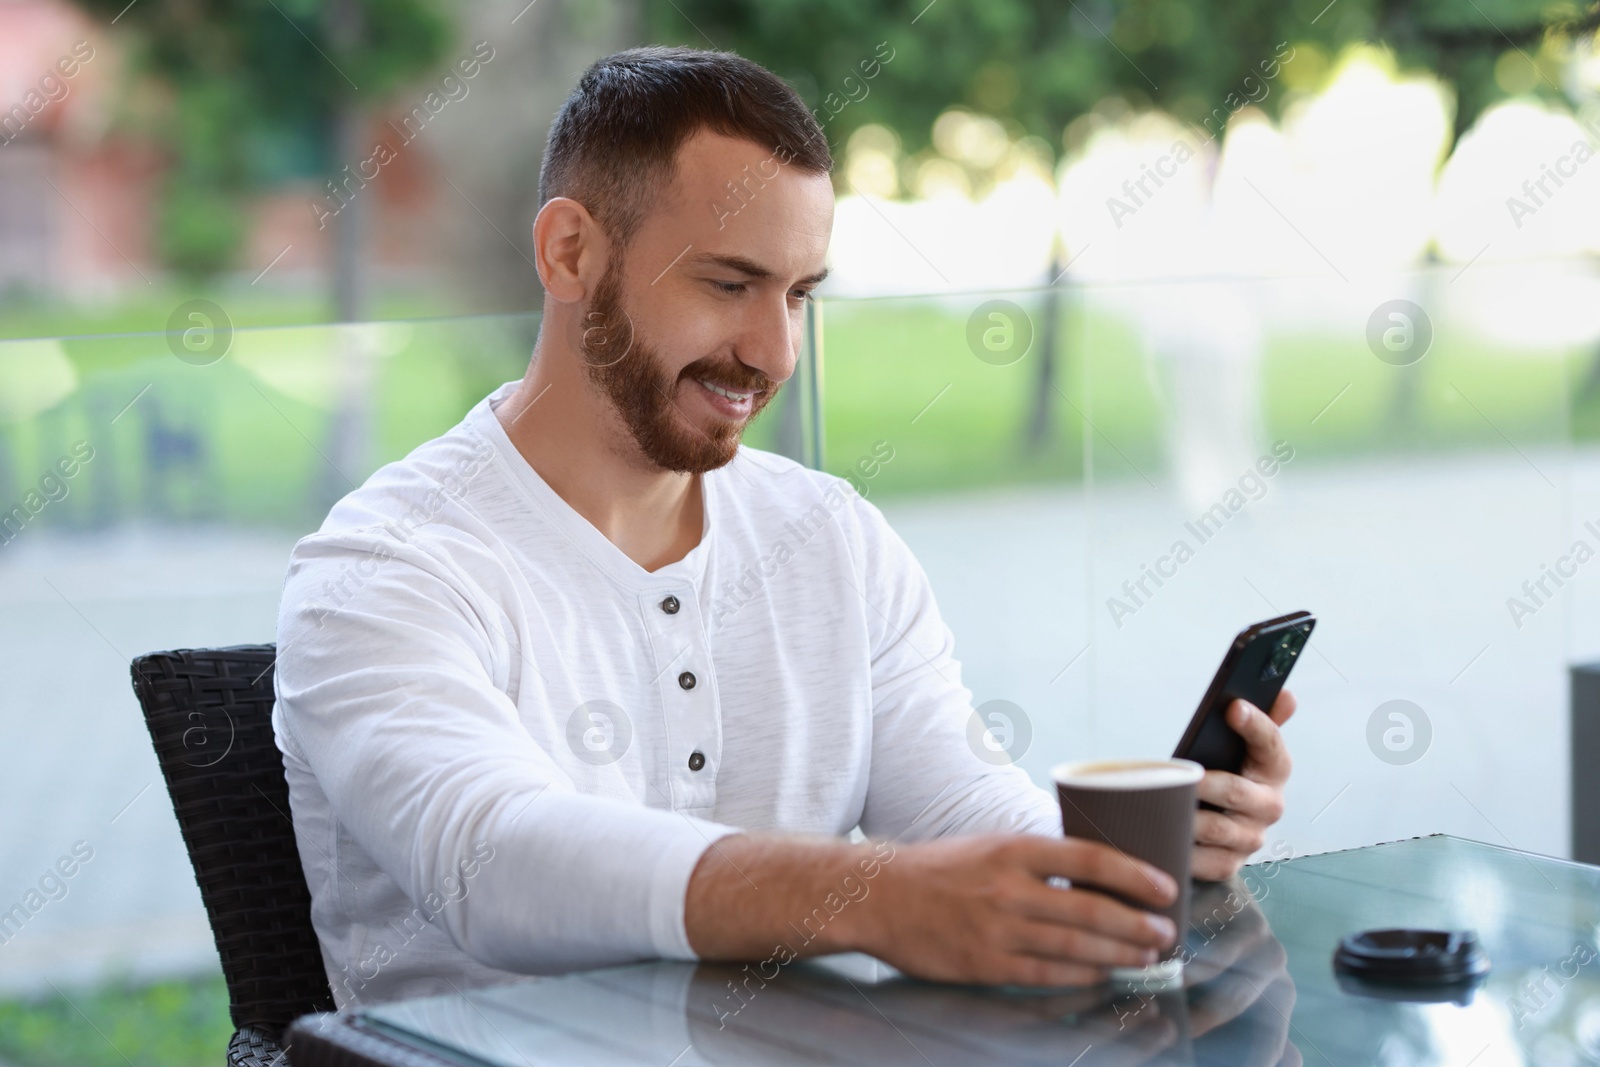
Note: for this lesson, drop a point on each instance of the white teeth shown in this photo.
(736, 397)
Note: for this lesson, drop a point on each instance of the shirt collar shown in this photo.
(580, 531)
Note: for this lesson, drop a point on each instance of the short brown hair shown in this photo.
(614, 144)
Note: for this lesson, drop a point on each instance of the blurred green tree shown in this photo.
(1036, 65)
(252, 91)
(256, 91)
(1039, 64)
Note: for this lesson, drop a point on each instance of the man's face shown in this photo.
(708, 296)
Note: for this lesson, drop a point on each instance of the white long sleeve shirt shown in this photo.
(508, 745)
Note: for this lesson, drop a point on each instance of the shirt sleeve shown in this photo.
(391, 701)
(931, 775)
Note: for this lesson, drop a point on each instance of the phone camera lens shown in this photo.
(1287, 648)
(1284, 651)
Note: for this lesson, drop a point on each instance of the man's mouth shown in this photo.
(732, 403)
(736, 395)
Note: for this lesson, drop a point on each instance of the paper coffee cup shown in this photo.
(1142, 808)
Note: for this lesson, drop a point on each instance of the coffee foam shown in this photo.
(1128, 774)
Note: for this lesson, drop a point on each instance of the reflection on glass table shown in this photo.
(1259, 989)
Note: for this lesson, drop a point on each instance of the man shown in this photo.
(524, 732)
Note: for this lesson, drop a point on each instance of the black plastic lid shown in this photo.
(1412, 957)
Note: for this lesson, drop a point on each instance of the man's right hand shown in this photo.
(968, 909)
(979, 909)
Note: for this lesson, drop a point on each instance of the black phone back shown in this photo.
(1255, 669)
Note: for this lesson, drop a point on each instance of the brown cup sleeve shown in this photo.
(1155, 825)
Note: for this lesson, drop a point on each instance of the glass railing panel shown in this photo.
(151, 487)
(1395, 455)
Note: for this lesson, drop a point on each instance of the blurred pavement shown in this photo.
(1408, 565)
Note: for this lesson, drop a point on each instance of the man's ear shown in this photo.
(569, 248)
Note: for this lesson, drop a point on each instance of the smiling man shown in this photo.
(518, 738)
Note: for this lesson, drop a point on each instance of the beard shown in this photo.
(629, 372)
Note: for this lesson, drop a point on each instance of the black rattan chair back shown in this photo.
(209, 712)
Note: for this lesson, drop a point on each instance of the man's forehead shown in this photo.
(727, 192)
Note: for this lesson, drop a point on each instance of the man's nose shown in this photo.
(771, 339)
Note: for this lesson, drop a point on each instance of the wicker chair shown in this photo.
(210, 717)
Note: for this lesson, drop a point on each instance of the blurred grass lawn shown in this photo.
(168, 1024)
(896, 371)
(885, 361)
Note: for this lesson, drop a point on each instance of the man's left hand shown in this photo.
(1252, 800)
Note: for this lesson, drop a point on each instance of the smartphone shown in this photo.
(1254, 669)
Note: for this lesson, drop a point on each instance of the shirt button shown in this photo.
(670, 605)
(686, 680)
(696, 760)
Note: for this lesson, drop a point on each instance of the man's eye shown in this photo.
(731, 288)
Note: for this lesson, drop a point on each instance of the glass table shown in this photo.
(1260, 989)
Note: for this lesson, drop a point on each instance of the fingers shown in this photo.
(1080, 911)
(1099, 865)
(1237, 837)
(1268, 757)
(1016, 968)
(1070, 944)
(1240, 796)
(1037, 971)
(1283, 708)
(1212, 864)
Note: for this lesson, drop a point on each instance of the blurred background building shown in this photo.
(192, 149)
